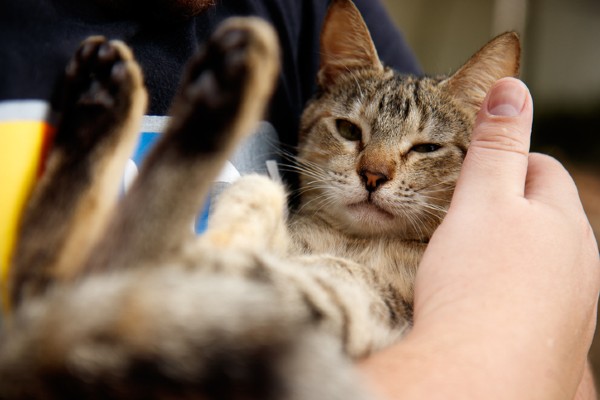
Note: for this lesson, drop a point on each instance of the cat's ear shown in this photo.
(499, 58)
(346, 43)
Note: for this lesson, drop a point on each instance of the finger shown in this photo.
(549, 182)
(496, 162)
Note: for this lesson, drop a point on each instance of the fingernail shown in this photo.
(507, 99)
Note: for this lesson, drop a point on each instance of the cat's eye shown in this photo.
(348, 130)
(425, 148)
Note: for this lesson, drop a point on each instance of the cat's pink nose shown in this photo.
(373, 180)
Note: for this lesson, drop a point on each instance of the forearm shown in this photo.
(408, 371)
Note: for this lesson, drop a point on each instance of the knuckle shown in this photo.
(501, 138)
(551, 165)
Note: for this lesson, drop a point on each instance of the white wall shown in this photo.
(561, 41)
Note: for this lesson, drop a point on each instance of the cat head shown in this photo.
(381, 151)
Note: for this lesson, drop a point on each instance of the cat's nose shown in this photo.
(373, 180)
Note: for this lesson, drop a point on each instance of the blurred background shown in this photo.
(560, 64)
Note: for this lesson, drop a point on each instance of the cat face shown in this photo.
(380, 152)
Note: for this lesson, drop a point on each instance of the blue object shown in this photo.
(146, 142)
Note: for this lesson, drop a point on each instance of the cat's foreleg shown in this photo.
(102, 104)
(224, 93)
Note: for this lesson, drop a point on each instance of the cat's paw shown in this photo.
(227, 84)
(250, 215)
(103, 90)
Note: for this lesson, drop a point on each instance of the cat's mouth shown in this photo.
(367, 209)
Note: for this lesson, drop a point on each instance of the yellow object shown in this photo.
(22, 145)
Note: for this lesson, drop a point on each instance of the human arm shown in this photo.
(507, 291)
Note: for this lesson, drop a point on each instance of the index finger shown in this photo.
(549, 182)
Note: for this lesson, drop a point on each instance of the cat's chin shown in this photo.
(369, 212)
(366, 219)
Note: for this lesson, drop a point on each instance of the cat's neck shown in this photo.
(394, 258)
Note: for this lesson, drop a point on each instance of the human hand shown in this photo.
(507, 290)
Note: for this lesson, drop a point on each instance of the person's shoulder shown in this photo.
(290, 10)
(301, 21)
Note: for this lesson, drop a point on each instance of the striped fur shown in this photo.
(264, 305)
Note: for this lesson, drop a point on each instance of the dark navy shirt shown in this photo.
(37, 38)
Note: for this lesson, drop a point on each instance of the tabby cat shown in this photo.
(119, 300)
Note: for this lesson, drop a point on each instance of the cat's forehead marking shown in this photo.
(412, 109)
(398, 110)
(394, 109)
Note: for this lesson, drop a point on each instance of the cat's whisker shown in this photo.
(341, 62)
(327, 203)
(312, 174)
(432, 206)
(320, 189)
(319, 183)
(445, 184)
(414, 222)
(296, 159)
(309, 190)
(358, 86)
(429, 198)
(324, 186)
(312, 185)
(310, 202)
(417, 226)
(435, 201)
(442, 190)
(430, 213)
(441, 204)
(317, 204)
(427, 213)
(304, 167)
(323, 194)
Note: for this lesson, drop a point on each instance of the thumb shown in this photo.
(496, 162)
